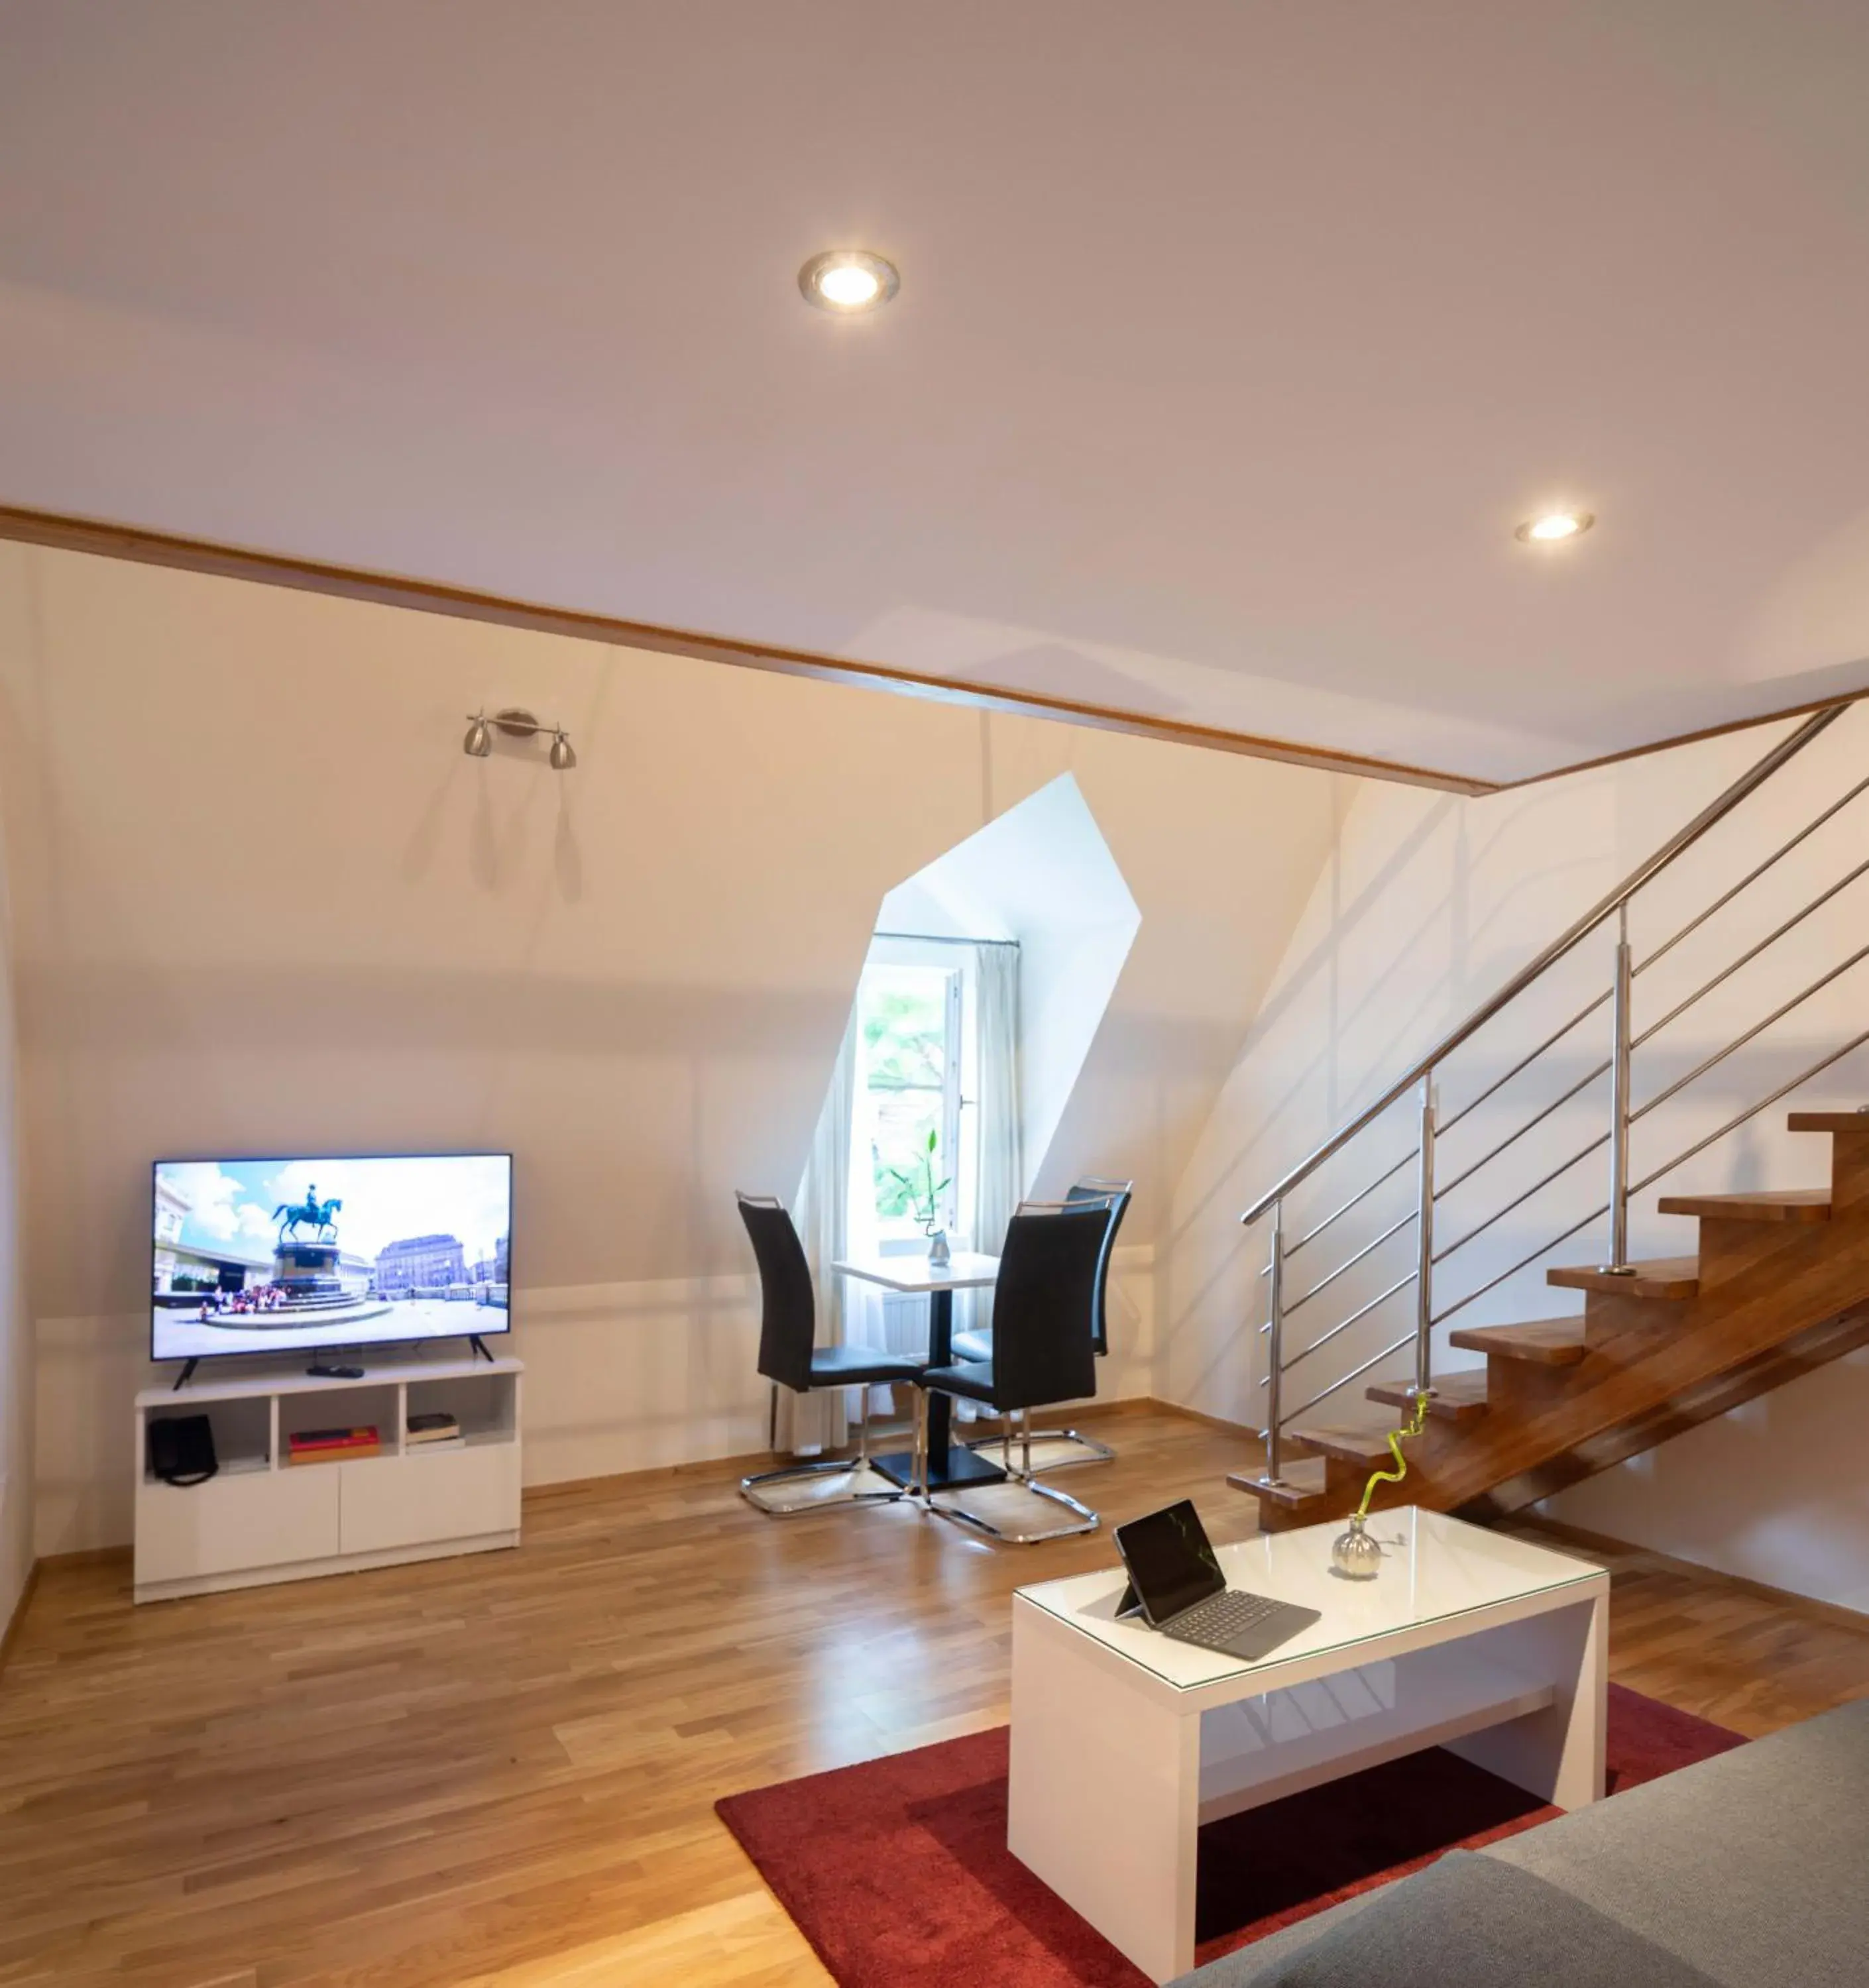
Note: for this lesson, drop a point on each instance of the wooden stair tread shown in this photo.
(1302, 1484)
(1829, 1121)
(1802, 1204)
(1457, 1397)
(1547, 1342)
(1352, 1445)
(1673, 1277)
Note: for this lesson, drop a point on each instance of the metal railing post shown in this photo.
(1274, 1342)
(1619, 1263)
(1424, 1243)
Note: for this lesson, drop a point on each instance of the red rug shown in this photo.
(897, 1871)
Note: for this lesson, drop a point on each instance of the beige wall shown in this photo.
(263, 902)
(16, 1337)
(1426, 905)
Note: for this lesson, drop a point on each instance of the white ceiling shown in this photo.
(1234, 336)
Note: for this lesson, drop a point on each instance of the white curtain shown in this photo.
(817, 1421)
(1002, 1173)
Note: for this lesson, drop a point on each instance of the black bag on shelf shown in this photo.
(181, 1449)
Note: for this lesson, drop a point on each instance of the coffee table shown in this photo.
(1124, 1742)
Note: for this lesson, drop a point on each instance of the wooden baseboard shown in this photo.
(1242, 1430)
(86, 1557)
(882, 1436)
(18, 1616)
(1604, 1546)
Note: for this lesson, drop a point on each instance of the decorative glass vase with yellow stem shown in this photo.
(1355, 1555)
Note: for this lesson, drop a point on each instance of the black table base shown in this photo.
(961, 1468)
(950, 1464)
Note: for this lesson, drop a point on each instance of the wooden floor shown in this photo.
(501, 1770)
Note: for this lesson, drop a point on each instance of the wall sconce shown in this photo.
(479, 743)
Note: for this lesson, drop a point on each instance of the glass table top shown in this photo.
(1436, 1569)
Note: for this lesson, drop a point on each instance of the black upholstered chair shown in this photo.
(789, 1357)
(1114, 1196)
(1040, 1351)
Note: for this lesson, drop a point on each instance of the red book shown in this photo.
(343, 1438)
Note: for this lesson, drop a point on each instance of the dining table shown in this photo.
(950, 1464)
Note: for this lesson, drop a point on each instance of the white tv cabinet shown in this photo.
(262, 1519)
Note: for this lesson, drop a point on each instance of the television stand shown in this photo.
(480, 1347)
(181, 1379)
(263, 1518)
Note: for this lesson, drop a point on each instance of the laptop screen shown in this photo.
(1171, 1565)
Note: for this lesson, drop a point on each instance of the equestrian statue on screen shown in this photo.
(310, 1213)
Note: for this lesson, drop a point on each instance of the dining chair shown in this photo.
(789, 1358)
(1115, 1196)
(1040, 1353)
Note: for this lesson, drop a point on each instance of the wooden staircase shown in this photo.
(1779, 1285)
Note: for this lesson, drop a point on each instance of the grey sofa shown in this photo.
(1747, 1870)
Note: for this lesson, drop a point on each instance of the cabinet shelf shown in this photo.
(263, 1518)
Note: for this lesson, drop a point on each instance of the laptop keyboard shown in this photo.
(1221, 1619)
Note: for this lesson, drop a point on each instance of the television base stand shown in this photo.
(480, 1347)
(181, 1379)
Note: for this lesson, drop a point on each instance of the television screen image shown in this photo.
(272, 1255)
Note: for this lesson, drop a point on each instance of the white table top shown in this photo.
(1436, 1569)
(967, 1271)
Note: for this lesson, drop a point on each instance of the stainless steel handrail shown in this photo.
(1752, 876)
(1623, 1113)
(1388, 1174)
(1525, 1062)
(1715, 811)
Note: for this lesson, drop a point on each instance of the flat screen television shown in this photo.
(276, 1256)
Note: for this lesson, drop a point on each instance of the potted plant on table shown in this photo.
(924, 1192)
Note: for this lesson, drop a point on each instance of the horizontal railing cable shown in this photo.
(1752, 953)
(1524, 1063)
(1753, 875)
(1543, 1249)
(1324, 1339)
(1350, 1263)
(1752, 1110)
(1739, 1042)
(1715, 811)
(1517, 1201)
(1354, 1374)
(1447, 1187)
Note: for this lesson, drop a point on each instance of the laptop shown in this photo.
(1177, 1587)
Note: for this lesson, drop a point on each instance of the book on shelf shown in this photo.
(318, 1445)
(436, 1426)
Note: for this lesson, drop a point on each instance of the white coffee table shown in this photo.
(1124, 1742)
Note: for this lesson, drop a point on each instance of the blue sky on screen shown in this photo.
(462, 1195)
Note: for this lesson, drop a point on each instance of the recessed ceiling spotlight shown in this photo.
(849, 281)
(1552, 528)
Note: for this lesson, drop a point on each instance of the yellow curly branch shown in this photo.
(1397, 1438)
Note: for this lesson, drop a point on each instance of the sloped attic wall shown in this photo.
(1041, 874)
(263, 902)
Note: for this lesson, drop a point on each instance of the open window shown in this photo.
(917, 1125)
